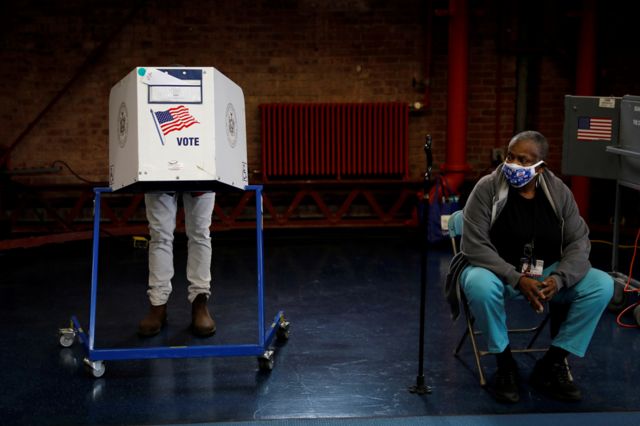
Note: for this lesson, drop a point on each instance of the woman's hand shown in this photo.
(548, 288)
(532, 290)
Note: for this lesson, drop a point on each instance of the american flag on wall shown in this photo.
(175, 119)
(594, 129)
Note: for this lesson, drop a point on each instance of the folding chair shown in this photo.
(455, 232)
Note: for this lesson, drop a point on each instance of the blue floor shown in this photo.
(353, 301)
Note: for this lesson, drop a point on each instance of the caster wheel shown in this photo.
(266, 361)
(67, 337)
(283, 331)
(618, 301)
(95, 368)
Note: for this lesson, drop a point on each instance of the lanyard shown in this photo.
(529, 248)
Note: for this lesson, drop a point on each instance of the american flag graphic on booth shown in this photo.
(594, 129)
(175, 119)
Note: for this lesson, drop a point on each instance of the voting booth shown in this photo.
(591, 124)
(602, 140)
(172, 129)
(177, 128)
(628, 150)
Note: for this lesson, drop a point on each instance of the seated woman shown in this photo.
(523, 235)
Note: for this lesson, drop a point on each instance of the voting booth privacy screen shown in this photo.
(177, 128)
(602, 138)
(590, 125)
(629, 149)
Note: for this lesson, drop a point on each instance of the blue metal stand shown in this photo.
(95, 357)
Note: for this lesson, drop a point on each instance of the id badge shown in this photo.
(531, 267)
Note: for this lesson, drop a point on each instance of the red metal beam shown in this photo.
(585, 86)
(328, 205)
(455, 166)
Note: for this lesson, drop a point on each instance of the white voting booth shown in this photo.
(177, 128)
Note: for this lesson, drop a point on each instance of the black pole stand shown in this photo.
(420, 387)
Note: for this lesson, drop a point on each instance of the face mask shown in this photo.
(519, 176)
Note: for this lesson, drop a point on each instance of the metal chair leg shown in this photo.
(476, 353)
(474, 344)
(538, 329)
(464, 337)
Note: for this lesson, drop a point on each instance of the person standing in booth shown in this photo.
(161, 211)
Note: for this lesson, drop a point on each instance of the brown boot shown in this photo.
(153, 322)
(202, 324)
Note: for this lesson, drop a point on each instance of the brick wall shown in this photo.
(277, 51)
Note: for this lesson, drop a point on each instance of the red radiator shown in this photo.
(334, 141)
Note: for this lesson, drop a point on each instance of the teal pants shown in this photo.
(585, 301)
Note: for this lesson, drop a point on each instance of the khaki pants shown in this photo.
(161, 213)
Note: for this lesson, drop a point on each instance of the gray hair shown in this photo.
(535, 137)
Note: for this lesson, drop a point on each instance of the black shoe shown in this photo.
(554, 380)
(504, 385)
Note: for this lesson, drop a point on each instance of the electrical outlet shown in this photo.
(497, 155)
